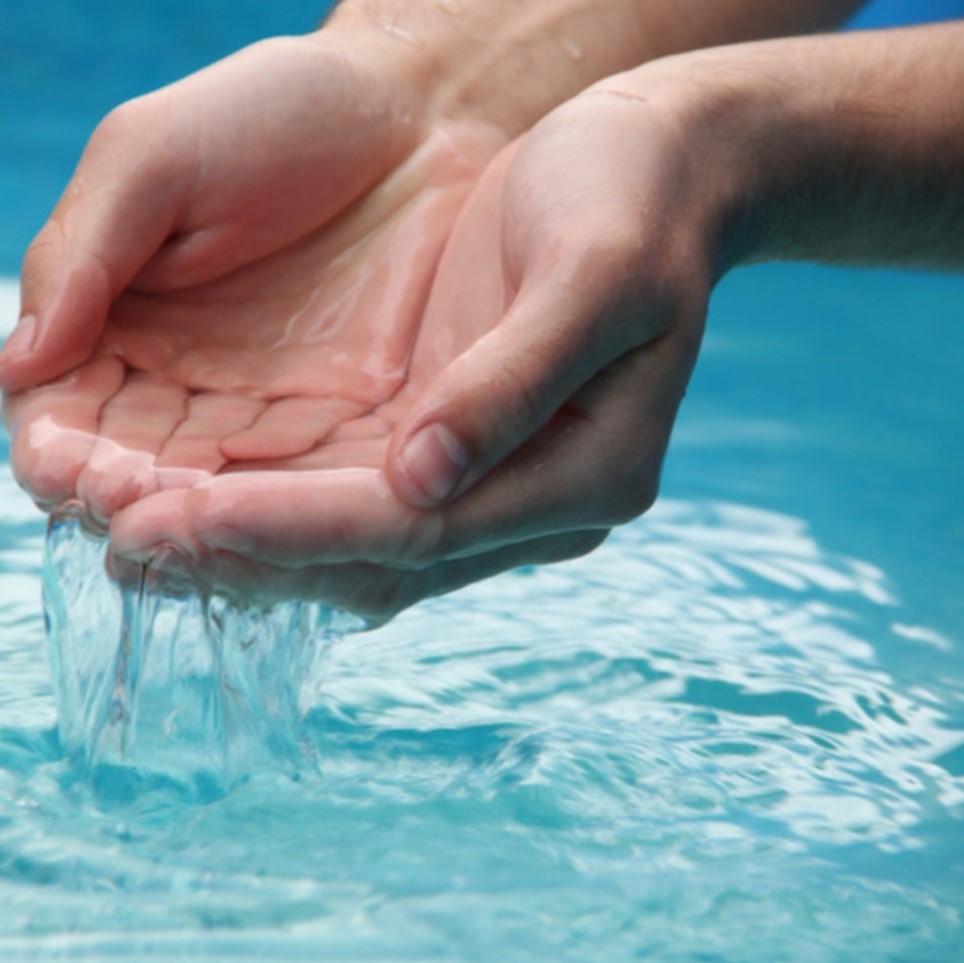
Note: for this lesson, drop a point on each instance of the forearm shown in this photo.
(511, 61)
(845, 149)
(860, 154)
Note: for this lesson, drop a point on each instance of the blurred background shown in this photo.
(65, 63)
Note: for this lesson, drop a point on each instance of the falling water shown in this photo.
(193, 690)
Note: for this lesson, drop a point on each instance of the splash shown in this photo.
(192, 691)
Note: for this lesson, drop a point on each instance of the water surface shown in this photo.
(735, 733)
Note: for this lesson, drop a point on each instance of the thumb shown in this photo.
(500, 392)
(120, 206)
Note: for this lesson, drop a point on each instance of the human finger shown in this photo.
(289, 518)
(196, 443)
(596, 261)
(378, 593)
(510, 383)
(596, 464)
(131, 428)
(288, 427)
(54, 428)
(122, 203)
(375, 593)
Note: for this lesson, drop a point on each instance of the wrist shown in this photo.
(503, 63)
(757, 145)
(710, 123)
(509, 62)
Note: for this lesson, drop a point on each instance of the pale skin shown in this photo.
(554, 345)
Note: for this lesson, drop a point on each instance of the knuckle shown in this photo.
(128, 145)
(47, 242)
(116, 127)
(122, 122)
(37, 464)
(522, 399)
(342, 537)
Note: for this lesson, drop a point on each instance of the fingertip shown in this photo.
(151, 545)
(17, 350)
(142, 530)
(22, 339)
(46, 461)
(67, 283)
(215, 522)
(126, 572)
(168, 570)
(47, 344)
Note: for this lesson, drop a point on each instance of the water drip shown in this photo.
(191, 690)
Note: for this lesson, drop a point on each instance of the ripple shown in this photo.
(693, 741)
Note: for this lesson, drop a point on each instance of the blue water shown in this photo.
(735, 733)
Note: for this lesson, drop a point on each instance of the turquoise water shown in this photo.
(734, 734)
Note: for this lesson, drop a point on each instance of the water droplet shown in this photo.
(572, 48)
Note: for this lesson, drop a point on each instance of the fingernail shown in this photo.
(171, 559)
(141, 554)
(434, 461)
(21, 340)
(158, 555)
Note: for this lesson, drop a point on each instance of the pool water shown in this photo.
(734, 734)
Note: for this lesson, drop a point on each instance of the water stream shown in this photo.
(192, 690)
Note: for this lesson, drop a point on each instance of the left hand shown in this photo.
(557, 343)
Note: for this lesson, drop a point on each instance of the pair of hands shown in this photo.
(294, 332)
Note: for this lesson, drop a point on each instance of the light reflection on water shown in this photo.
(688, 743)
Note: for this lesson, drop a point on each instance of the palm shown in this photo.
(256, 336)
(573, 330)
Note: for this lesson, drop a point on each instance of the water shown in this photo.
(735, 734)
(185, 693)
(690, 747)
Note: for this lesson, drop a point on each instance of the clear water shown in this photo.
(735, 734)
(189, 694)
